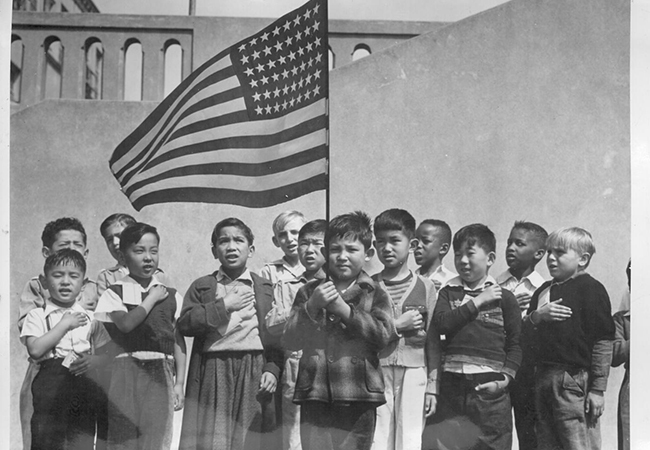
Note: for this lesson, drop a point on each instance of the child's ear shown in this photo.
(444, 249)
(323, 250)
(539, 254)
(43, 280)
(46, 251)
(413, 245)
(491, 258)
(370, 253)
(85, 253)
(275, 241)
(213, 249)
(583, 262)
(251, 251)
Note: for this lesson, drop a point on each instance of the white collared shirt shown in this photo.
(528, 284)
(440, 277)
(83, 339)
(280, 270)
(132, 292)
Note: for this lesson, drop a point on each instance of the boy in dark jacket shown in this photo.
(341, 325)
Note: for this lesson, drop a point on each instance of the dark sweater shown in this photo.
(571, 342)
(155, 333)
(489, 336)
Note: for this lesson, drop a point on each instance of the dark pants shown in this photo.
(64, 416)
(522, 396)
(466, 419)
(325, 426)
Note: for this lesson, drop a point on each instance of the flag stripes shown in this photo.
(248, 127)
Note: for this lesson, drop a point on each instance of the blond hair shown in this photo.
(573, 238)
(284, 218)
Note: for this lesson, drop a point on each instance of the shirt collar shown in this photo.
(128, 280)
(458, 281)
(534, 278)
(245, 276)
(51, 307)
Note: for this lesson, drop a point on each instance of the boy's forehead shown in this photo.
(476, 247)
(231, 230)
(346, 240)
(313, 236)
(69, 235)
(295, 223)
(428, 229)
(64, 267)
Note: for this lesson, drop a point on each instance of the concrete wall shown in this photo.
(521, 112)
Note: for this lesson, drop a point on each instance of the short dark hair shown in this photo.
(124, 219)
(395, 220)
(537, 231)
(475, 234)
(232, 222)
(446, 230)
(355, 225)
(133, 233)
(56, 226)
(312, 227)
(64, 257)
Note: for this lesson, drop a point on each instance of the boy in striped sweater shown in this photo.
(409, 366)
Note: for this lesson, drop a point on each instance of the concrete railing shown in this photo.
(199, 38)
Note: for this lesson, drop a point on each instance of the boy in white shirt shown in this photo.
(434, 239)
(62, 338)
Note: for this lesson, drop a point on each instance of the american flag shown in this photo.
(249, 127)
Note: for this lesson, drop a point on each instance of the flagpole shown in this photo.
(327, 83)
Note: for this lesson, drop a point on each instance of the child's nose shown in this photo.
(116, 241)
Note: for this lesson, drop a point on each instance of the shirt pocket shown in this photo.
(492, 317)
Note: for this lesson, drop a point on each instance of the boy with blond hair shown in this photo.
(409, 366)
(286, 228)
(341, 325)
(572, 324)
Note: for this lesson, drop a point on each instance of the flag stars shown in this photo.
(275, 76)
(256, 96)
(299, 99)
(310, 62)
(256, 55)
(260, 68)
(242, 47)
(292, 101)
(284, 104)
(276, 107)
(307, 31)
(317, 74)
(302, 66)
(264, 37)
(285, 89)
(278, 46)
(258, 110)
(249, 71)
(286, 25)
(306, 15)
(292, 55)
(265, 80)
(276, 93)
(244, 59)
(298, 35)
(316, 6)
(307, 94)
(271, 64)
(301, 82)
(316, 25)
(294, 70)
(296, 21)
(285, 74)
(317, 41)
(267, 95)
(267, 51)
(253, 83)
(253, 41)
(282, 59)
(293, 87)
(268, 109)
(310, 46)
(301, 51)
(288, 41)
(276, 31)
(308, 79)
(318, 57)
(316, 90)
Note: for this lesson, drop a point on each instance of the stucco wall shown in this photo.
(521, 112)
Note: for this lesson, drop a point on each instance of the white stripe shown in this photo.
(236, 182)
(253, 128)
(237, 155)
(151, 133)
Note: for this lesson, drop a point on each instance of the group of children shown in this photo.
(313, 353)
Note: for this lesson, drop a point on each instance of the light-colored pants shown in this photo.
(290, 411)
(401, 419)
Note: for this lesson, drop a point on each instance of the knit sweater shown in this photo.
(487, 337)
